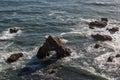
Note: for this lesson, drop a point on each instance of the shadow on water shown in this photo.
(36, 64)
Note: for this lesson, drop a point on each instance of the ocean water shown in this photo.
(66, 19)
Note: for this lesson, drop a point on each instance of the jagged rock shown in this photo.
(102, 37)
(99, 24)
(53, 44)
(118, 55)
(110, 59)
(14, 57)
(13, 30)
(114, 29)
(97, 46)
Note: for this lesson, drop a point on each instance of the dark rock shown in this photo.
(53, 44)
(91, 27)
(110, 59)
(99, 24)
(13, 30)
(104, 19)
(114, 29)
(97, 46)
(118, 55)
(102, 37)
(14, 57)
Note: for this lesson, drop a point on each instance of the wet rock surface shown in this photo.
(100, 24)
(114, 29)
(102, 37)
(14, 57)
(13, 30)
(53, 43)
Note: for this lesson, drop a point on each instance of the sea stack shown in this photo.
(53, 43)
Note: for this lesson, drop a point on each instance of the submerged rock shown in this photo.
(114, 29)
(102, 37)
(53, 44)
(13, 30)
(97, 46)
(100, 24)
(14, 57)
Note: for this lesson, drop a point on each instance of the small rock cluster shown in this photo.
(102, 24)
(100, 37)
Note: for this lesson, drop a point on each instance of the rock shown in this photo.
(102, 37)
(99, 24)
(13, 30)
(118, 55)
(110, 59)
(114, 29)
(104, 19)
(97, 46)
(91, 27)
(14, 57)
(53, 44)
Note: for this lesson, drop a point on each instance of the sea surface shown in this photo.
(66, 19)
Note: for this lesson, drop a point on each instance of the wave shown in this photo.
(101, 3)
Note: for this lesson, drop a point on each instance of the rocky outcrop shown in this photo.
(53, 44)
(114, 29)
(100, 24)
(102, 37)
(14, 57)
(97, 46)
(13, 30)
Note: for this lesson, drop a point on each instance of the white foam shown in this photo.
(86, 20)
(56, 12)
(6, 35)
(64, 40)
(73, 55)
(19, 63)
